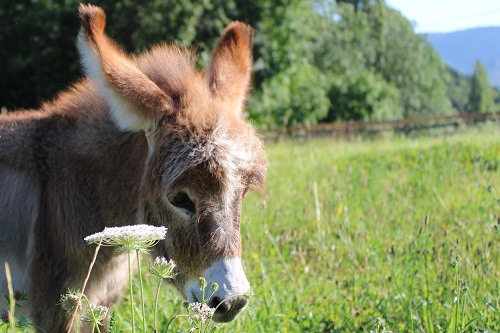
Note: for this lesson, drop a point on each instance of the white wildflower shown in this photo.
(133, 237)
(96, 314)
(163, 268)
(201, 312)
(70, 301)
(380, 326)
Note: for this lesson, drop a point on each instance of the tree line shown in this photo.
(315, 60)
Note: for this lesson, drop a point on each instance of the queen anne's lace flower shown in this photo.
(201, 312)
(134, 237)
(70, 301)
(163, 268)
(99, 312)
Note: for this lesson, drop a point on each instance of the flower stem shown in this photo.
(95, 324)
(156, 304)
(131, 291)
(142, 292)
(92, 263)
(12, 323)
(172, 319)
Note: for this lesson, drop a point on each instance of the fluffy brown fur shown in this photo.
(115, 150)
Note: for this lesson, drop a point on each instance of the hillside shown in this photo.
(461, 49)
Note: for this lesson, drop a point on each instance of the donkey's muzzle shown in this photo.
(226, 310)
(230, 296)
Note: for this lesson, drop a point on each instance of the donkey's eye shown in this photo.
(182, 200)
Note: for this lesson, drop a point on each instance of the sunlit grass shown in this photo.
(394, 216)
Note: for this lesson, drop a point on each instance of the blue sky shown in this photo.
(448, 15)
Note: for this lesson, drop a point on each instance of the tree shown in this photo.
(458, 90)
(364, 96)
(38, 50)
(290, 89)
(285, 36)
(37, 39)
(357, 4)
(481, 94)
(368, 38)
(411, 64)
(344, 45)
(296, 95)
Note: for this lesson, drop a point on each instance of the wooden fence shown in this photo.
(406, 126)
(351, 129)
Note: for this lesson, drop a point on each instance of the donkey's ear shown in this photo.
(230, 70)
(136, 102)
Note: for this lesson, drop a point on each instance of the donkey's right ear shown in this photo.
(230, 70)
(136, 102)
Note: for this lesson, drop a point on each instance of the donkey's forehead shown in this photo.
(230, 151)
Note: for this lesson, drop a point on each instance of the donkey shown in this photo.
(145, 139)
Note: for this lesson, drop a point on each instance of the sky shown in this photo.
(448, 15)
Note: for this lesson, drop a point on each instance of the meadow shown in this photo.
(403, 230)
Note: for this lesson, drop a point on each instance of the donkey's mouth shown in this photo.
(228, 299)
(227, 310)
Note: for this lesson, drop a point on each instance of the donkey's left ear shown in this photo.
(135, 101)
(230, 70)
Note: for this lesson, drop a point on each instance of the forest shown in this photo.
(315, 60)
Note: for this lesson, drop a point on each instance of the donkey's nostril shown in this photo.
(239, 303)
(227, 309)
(220, 306)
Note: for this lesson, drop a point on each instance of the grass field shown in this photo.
(404, 230)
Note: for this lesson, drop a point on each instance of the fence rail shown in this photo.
(403, 126)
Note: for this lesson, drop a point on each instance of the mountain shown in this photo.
(461, 49)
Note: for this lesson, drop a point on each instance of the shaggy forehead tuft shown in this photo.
(234, 159)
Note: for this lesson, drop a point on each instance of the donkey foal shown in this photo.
(142, 139)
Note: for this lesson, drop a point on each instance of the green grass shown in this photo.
(379, 239)
(371, 254)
